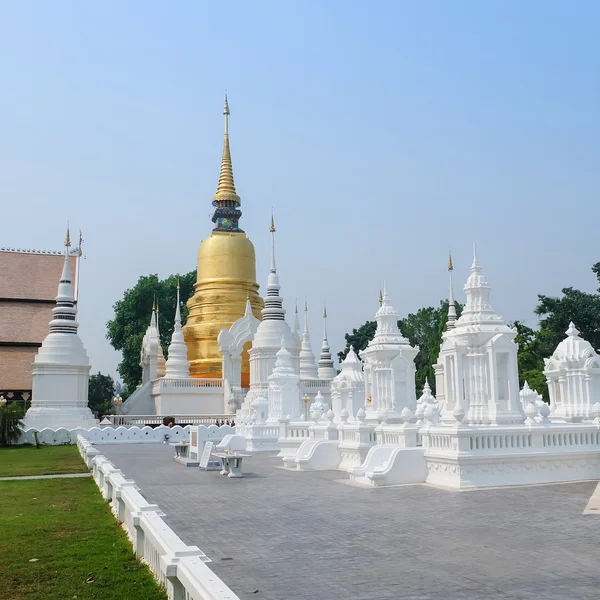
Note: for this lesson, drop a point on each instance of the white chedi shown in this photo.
(61, 367)
(177, 365)
(308, 368)
(267, 340)
(348, 386)
(573, 375)
(260, 409)
(477, 364)
(284, 388)
(318, 408)
(389, 366)
(426, 399)
(326, 369)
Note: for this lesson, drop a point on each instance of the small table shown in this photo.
(231, 463)
(181, 449)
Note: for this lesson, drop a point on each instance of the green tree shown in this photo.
(530, 357)
(101, 391)
(577, 306)
(423, 328)
(358, 339)
(132, 317)
(11, 414)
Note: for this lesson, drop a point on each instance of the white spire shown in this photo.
(177, 365)
(61, 366)
(325, 370)
(477, 307)
(451, 323)
(308, 369)
(273, 310)
(64, 314)
(296, 321)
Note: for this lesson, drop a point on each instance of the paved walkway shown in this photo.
(58, 476)
(281, 535)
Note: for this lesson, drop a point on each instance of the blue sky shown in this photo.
(381, 133)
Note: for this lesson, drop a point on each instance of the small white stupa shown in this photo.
(573, 375)
(477, 365)
(308, 368)
(348, 387)
(177, 365)
(326, 369)
(267, 340)
(284, 391)
(389, 363)
(61, 367)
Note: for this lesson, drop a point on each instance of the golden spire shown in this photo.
(226, 188)
(380, 297)
(272, 228)
(68, 238)
(305, 304)
(450, 267)
(324, 312)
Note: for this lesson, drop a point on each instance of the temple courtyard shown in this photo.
(282, 535)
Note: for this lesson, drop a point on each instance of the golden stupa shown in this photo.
(226, 279)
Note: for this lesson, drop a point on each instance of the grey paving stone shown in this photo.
(308, 536)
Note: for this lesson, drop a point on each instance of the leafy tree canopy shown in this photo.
(132, 317)
(580, 307)
(101, 391)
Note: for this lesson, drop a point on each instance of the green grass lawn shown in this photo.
(48, 460)
(81, 551)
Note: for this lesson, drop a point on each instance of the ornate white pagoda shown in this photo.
(477, 365)
(348, 387)
(573, 375)
(61, 367)
(267, 340)
(389, 361)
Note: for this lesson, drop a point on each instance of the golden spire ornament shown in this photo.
(450, 266)
(68, 238)
(272, 228)
(226, 189)
(380, 298)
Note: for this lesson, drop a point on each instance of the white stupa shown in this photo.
(326, 369)
(284, 391)
(267, 340)
(573, 375)
(308, 368)
(348, 387)
(61, 367)
(477, 364)
(389, 366)
(177, 365)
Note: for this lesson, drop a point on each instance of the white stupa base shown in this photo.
(67, 417)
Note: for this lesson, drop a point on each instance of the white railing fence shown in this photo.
(142, 420)
(181, 569)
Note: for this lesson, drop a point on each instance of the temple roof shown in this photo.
(32, 274)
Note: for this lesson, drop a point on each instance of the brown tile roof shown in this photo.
(32, 276)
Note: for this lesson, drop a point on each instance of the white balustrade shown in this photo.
(178, 567)
(192, 382)
(158, 420)
(318, 384)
